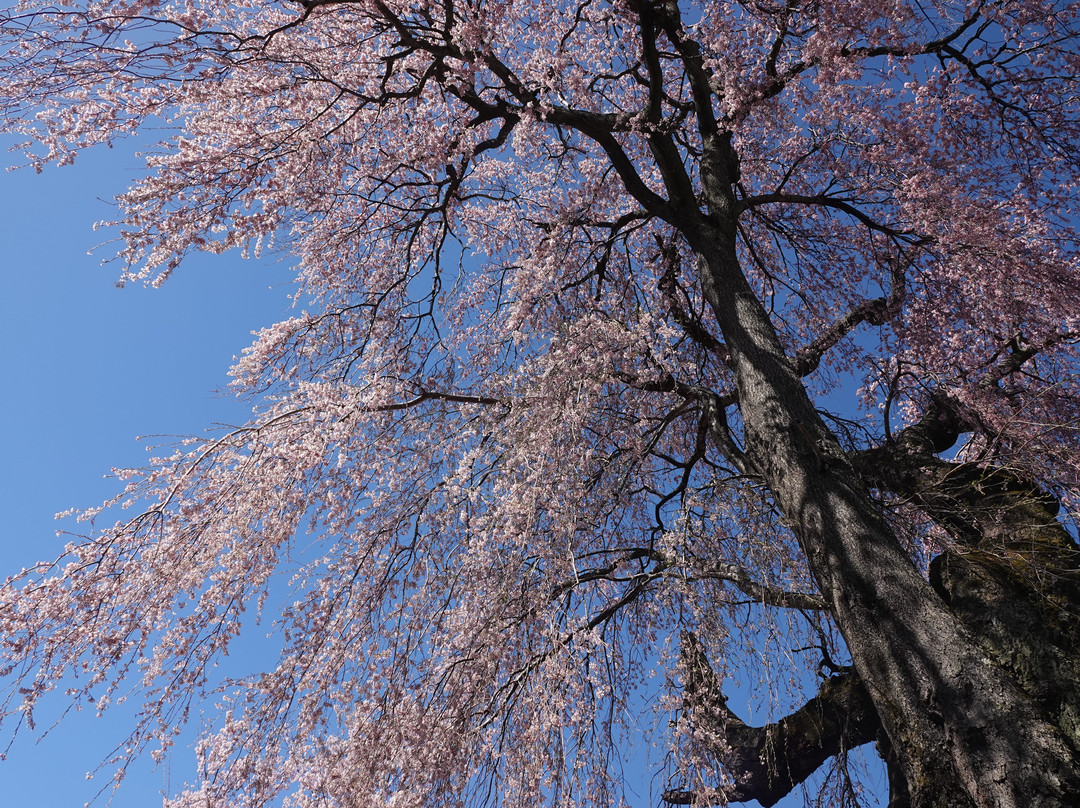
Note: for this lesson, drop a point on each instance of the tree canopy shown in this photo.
(634, 340)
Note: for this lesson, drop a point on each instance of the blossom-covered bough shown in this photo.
(645, 338)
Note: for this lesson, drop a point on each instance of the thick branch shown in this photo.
(836, 203)
(875, 311)
(768, 762)
(980, 505)
(762, 593)
(1020, 353)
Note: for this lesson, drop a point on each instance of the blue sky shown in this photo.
(85, 367)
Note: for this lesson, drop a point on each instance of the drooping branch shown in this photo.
(835, 203)
(431, 395)
(688, 321)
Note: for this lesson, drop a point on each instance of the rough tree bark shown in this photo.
(1012, 575)
(967, 733)
(1012, 579)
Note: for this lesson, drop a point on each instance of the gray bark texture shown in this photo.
(969, 673)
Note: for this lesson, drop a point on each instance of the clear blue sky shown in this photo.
(86, 367)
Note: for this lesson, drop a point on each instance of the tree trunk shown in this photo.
(965, 732)
(1013, 575)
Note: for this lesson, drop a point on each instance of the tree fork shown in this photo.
(965, 732)
(1013, 574)
(1030, 628)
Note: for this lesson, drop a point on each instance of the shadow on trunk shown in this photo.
(1012, 576)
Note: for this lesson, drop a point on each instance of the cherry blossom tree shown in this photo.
(640, 346)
